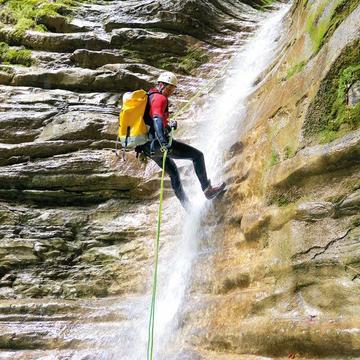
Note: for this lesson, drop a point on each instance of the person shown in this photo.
(157, 118)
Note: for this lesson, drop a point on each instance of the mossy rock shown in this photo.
(195, 57)
(326, 18)
(9, 55)
(329, 115)
(24, 15)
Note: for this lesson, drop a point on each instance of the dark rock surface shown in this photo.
(58, 122)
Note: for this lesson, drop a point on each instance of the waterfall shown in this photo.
(221, 119)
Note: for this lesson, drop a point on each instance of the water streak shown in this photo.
(221, 120)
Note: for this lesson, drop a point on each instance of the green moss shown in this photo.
(342, 118)
(329, 117)
(274, 159)
(167, 63)
(10, 55)
(23, 14)
(356, 222)
(195, 57)
(264, 4)
(295, 69)
(281, 199)
(317, 25)
(288, 152)
(322, 23)
(341, 12)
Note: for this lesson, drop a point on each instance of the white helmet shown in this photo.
(168, 78)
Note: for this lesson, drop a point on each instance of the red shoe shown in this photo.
(212, 192)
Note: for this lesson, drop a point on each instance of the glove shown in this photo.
(172, 124)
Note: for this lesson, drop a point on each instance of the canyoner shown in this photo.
(146, 127)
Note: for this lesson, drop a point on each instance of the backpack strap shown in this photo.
(126, 142)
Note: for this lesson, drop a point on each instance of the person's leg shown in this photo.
(172, 170)
(181, 150)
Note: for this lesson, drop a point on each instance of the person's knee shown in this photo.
(198, 156)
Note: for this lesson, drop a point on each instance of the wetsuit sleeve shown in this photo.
(159, 130)
(158, 113)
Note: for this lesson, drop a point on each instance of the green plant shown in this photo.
(24, 14)
(288, 152)
(342, 10)
(317, 25)
(295, 69)
(274, 159)
(329, 115)
(322, 23)
(282, 198)
(264, 4)
(167, 63)
(10, 55)
(340, 113)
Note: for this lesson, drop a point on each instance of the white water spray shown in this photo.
(222, 117)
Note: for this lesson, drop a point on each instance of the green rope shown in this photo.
(156, 261)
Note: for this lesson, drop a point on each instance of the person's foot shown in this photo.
(212, 192)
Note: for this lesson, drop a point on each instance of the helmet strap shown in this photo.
(161, 86)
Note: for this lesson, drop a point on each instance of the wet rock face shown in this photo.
(212, 17)
(288, 265)
(77, 222)
(73, 252)
(75, 219)
(354, 94)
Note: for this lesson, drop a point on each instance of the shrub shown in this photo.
(23, 14)
(10, 55)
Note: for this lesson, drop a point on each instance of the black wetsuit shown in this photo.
(178, 150)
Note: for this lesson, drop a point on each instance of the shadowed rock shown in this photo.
(55, 42)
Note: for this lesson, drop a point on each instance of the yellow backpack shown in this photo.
(132, 128)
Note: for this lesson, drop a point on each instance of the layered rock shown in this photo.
(75, 220)
(285, 279)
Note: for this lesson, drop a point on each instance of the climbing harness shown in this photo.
(209, 84)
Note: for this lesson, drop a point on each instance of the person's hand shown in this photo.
(172, 124)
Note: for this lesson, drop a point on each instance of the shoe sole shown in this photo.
(220, 191)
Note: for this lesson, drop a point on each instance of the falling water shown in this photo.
(221, 118)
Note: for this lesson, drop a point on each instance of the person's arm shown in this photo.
(159, 130)
(158, 108)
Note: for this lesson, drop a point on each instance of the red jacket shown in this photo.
(158, 106)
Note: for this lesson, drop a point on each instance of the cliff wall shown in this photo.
(286, 272)
(77, 225)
